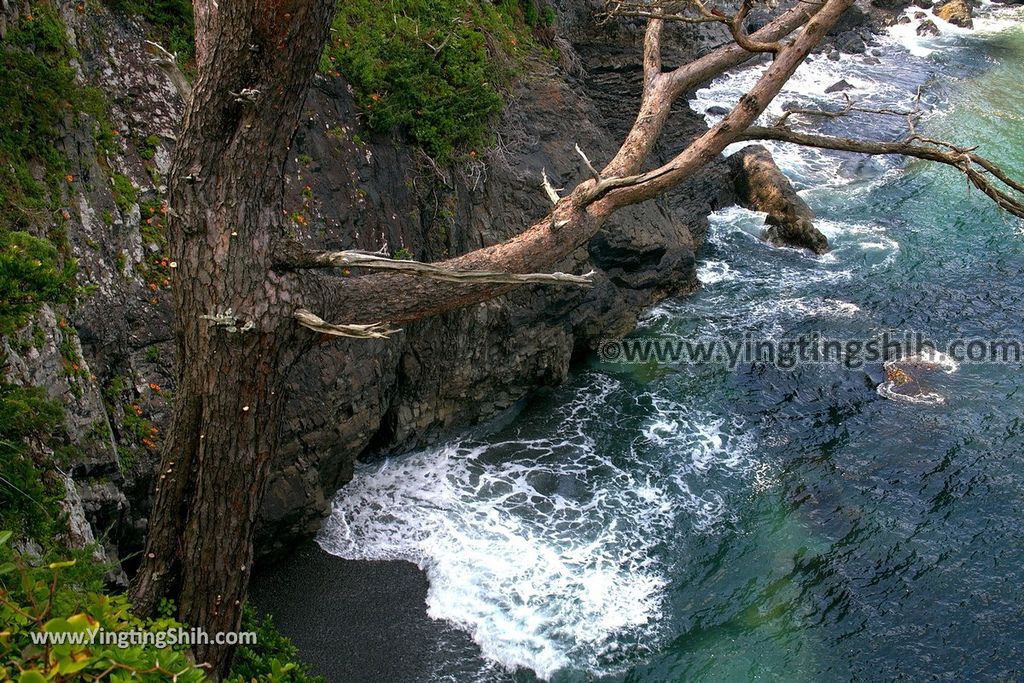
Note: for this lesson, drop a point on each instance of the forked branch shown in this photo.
(978, 170)
(311, 321)
(298, 259)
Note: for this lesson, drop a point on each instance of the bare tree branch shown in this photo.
(746, 111)
(549, 189)
(314, 322)
(586, 162)
(298, 259)
(652, 52)
(169, 63)
(661, 92)
(663, 11)
(572, 223)
(851, 107)
(972, 165)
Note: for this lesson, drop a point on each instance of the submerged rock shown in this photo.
(761, 186)
(839, 86)
(956, 12)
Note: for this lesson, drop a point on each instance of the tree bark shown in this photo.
(234, 334)
(235, 302)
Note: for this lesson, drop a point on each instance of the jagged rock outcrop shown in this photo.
(353, 399)
(956, 12)
(350, 398)
(761, 186)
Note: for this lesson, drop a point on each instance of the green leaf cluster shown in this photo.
(28, 501)
(37, 597)
(433, 69)
(31, 273)
(37, 87)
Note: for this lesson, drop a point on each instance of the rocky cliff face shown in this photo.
(353, 399)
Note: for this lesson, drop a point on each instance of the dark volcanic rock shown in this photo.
(890, 5)
(928, 28)
(355, 399)
(839, 86)
(761, 186)
(851, 43)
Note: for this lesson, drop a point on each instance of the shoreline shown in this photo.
(361, 620)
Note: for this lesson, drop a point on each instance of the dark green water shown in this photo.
(671, 523)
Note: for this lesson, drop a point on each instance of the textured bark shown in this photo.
(226, 214)
(234, 305)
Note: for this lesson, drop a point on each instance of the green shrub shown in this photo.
(28, 503)
(273, 653)
(431, 68)
(37, 86)
(31, 274)
(53, 595)
(125, 194)
(39, 597)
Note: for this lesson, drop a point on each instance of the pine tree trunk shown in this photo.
(235, 334)
(235, 337)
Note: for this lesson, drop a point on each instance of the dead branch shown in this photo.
(586, 162)
(376, 261)
(652, 52)
(976, 168)
(689, 12)
(549, 189)
(661, 92)
(729, 129)
(314, 322)
(663, 11)
(851, 107)
(399, 298)
(169, 64)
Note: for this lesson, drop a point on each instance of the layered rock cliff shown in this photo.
(348, 189)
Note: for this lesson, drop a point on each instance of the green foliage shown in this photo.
(273, 658)
(30, 274)
(125, 194)
(27, 501)
(37, 86)
(55, 595)
(431, 68)
(147, 150)
(53, 598)
(403, 254)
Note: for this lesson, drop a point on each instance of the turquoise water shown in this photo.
(669, 523)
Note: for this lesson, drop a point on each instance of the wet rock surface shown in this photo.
(360, 399)
(956, 12)
(761, 186)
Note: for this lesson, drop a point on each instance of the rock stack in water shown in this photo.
(956, 12)
(761, 186)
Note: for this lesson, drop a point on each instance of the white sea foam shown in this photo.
(989, 19)
(890, 391)
(711, 272)
(544, 549)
